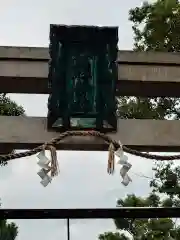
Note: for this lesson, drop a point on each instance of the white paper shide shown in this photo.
(44, 164)
(126, 166)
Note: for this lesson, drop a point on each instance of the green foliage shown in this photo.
(147, 108)
(9, 107)
(156, 27)
(8, 231)
(113, 236)
(143, 229)
(167, 181)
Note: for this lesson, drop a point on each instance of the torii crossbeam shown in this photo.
(25, 70)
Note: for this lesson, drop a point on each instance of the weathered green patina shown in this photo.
(82, 77)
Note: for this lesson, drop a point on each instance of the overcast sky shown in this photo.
(83, 181)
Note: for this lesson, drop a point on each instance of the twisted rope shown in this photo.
(107, 139)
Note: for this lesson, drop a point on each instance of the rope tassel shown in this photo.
(54, 162)
(110, 168)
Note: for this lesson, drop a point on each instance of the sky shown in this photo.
(83, 181)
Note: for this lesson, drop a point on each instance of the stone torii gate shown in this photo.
(25, 70)
(145, 74)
